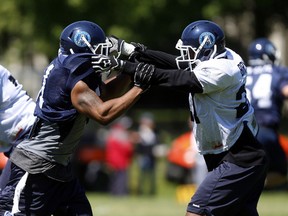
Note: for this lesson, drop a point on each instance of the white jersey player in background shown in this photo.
(16, 115)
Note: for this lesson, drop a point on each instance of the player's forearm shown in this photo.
(179, 79)
(116, 86)
(112, 109)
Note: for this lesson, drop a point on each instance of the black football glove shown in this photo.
(102, 63)
(143, 75)
(134, 56)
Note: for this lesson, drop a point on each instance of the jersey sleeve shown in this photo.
(178, 79)
(158, 58)
(212, 77)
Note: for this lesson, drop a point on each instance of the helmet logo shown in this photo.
(210, 41)
(78, 38)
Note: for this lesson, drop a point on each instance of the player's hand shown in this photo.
(139, 46)
(102, 63)
(134, 56)
(143, 75)
(120, 47)
(117, 44)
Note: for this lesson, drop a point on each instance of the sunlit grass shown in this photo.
(167, 203)
(271, 204)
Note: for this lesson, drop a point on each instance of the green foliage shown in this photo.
(34, 26)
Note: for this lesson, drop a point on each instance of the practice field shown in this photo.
(171, 200)
(271, 204)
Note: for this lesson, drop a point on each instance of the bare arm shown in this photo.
(115, 86)
(285, 91)
(89, 103)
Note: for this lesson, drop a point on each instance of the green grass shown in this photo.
(270, 204)
(165, 203)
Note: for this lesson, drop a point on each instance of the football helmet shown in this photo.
(200, 41)
(262, 51)
(82, 37)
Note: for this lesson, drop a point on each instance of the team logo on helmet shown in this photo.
(78, 38)
(210, 41)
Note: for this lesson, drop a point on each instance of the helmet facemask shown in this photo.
(192, 55)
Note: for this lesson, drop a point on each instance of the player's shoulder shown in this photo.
(78, 61)
(78, 57)
(4, 71)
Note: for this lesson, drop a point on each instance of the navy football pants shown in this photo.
(42, 196)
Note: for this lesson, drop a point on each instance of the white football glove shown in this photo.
(120, 47)
(102, 63)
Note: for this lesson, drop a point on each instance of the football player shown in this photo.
(72, 92)
(267, 87)
(224, 124)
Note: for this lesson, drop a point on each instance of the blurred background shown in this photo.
(29, 40)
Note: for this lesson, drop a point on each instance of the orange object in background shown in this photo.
(284, 143)
(182, 151)
(3, 160)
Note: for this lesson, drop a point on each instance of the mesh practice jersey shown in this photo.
(16, 109)
(219, 112)
(218, 101)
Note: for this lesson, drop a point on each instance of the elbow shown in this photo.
(104, 121)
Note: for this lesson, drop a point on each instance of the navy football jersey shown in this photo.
(54, 102)
(59, 126)
(264, 84)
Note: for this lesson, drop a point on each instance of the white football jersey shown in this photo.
(16, 109)
(219, 112)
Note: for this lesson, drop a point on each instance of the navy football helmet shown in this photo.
(262, 51)
(82, 37)
(200, 41)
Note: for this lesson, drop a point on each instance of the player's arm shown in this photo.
(285, 91)
(115, 86)
(158, 58)
(284, 81)
(86, 101)
(140, 53)
(179, 79)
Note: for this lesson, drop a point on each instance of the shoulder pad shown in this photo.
(78, 62)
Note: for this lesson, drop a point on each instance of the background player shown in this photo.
(267, 85)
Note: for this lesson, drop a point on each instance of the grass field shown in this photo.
(271, 204)
(171, 200)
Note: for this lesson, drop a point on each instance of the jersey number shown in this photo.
(243, 107)
(259, 93)
(13, 80)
